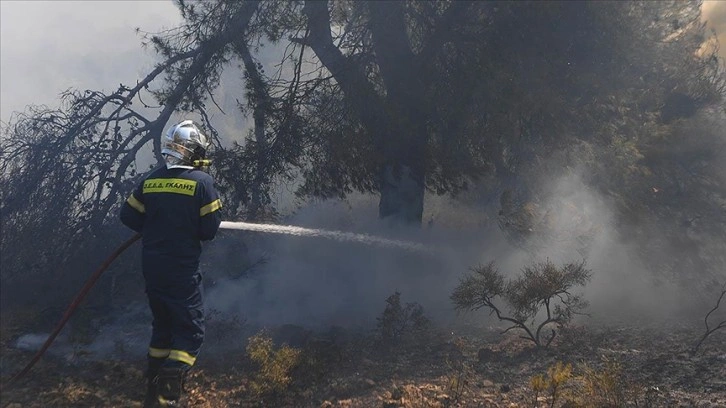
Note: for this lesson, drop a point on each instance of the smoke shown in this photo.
(714, 14)
(49, 46)
(581, 224)
(318, 282)
(127, 337)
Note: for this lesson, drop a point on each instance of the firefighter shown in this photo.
(175, 207)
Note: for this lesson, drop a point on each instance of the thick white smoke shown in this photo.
(318, 282)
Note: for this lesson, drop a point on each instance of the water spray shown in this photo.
(315, 232)
(246, 226)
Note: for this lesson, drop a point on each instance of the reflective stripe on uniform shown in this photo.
(170, 185)
(136, 204)
(183, 356)
(210, 208)
(158, 353)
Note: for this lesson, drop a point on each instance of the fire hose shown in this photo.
(73, 306)
(287, 229)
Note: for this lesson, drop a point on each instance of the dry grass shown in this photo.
(650, 366)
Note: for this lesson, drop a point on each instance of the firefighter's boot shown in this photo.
(169, 386)
(152, 372)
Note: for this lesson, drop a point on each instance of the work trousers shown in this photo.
(178, 325)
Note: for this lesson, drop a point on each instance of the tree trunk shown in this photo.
(259, 98)
(402, 195)
(395, 120)
(402, 183)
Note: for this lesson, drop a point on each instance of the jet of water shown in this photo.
(314, 232)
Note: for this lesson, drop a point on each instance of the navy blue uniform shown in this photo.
(174, 210)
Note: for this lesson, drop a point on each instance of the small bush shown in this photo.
(551, 384)
(400, 323)
(607, 387)
(459, 374)
(543, 287)
(274, 366)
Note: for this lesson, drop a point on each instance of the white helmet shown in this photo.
(183, 144)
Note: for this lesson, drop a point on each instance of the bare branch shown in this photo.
(710, 330)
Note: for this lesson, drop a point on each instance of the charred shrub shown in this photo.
(543, 289)
(399, 324)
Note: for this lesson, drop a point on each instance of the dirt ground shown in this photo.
(614, 365)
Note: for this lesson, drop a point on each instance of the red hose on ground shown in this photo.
(74, 305)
